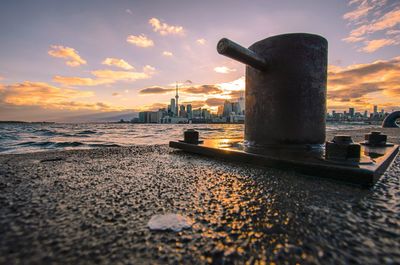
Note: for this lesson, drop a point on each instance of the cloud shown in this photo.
(155, 90)
(360, 12)
(141, 41)
(167, 54)
(224, 70)
(387, 21)
(105, 77)
(70, 54)
(201, 41)
(235, 95)
(195, 103)
(213, 102)
(370, 17)
(116, 94)
(148, 69)
(353, 39)
(129, 11)
(202, 89)
(164, 28)
(118, 63)
(194, 90)
(235, 85)
(46, 96)
(347, 94)
(393, 32)
(374, 45)
(364, 85)
(152, 107)
(119, 75)
(78, 81)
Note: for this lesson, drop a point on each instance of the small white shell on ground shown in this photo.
(169, 221)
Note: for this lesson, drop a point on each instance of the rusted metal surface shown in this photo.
(286, 103)
(239, 53)
(364, 171)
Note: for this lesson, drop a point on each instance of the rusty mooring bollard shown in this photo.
(286, 79)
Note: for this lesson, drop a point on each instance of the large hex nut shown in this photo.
(375, 139)
(191, 136)
(342, 147)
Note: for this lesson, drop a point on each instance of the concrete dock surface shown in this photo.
(93, 206)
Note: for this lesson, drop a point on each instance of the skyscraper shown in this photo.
(189, 111)
(173, 107)
(177, 104)
(351, 112)
(227, 108)
(189, 108)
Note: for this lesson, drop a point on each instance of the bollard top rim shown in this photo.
(292, 37)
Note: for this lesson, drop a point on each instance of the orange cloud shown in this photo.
(118, 63)
(105, 77)
(164, 28)
(155, 90)
(370, 17)
(79, 81)
(113, 76)
(141, 41)
(152, 107)
(364, 85)
(45, 95)
(353, 39)
(70, 54)
(202, 89)
(389, 20)
(213, 102)
(374, 45)
(360, 12)
(194, 90)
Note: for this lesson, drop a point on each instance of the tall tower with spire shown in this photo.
(176, 101)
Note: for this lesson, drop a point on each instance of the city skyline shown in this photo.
(65, 59)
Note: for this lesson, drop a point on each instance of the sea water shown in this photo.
(33, 137)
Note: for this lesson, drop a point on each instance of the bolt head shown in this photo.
(342, 139)
(191, 136)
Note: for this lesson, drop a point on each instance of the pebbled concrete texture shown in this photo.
(92, 206)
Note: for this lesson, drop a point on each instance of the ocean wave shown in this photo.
(49, 144)
(86, 132)
(45, 132)
(104, 145)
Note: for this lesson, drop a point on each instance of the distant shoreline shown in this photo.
(29, 122)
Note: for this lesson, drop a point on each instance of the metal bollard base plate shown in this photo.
(364, 171)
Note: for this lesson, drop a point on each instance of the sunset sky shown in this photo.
(63, 59)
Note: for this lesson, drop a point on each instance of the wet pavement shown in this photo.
(93, 206)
